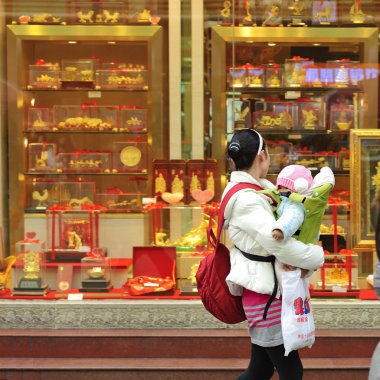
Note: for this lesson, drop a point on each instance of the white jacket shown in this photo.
(249, 219)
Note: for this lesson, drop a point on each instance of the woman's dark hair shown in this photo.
(244, 147)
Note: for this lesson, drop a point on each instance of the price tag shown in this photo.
(292, 94)
(294, 137)
(147, 201)
(94, 94)
(150, 284)
(339, 289)
(75, 297)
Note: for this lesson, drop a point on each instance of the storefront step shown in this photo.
(165, 369)
(176, 343)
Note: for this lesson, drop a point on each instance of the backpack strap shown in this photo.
(214, 240)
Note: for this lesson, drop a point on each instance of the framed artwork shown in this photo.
(365, 184)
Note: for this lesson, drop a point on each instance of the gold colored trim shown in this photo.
(83, 33)
(358, 209)
(102, 216)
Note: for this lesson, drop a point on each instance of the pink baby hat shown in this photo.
(297, 178)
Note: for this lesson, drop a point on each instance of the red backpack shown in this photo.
(214, 268)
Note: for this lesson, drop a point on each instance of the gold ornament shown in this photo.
(31, 265)
(130, 156)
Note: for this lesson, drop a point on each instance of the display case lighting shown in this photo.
(316, 44)
(272, 44)
(72, 42)
(111, 42)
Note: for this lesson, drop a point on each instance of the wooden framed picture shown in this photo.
(365, 184)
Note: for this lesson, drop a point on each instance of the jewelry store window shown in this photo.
(118, 114)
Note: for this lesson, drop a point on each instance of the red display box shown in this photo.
(155, 263)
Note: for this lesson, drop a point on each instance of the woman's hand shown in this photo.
(287, 268)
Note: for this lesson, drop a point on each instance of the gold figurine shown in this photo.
(284, 119)
(210, 184)
(41, 161)
(310, 120)
(31, 265)
(356, 14)
(342, 122)
(177, 185)
(96, 272)
(160, 184)
(226, 11)
(74, 240)
(144, 16)
(41, 198)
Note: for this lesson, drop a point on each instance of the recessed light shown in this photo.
(72, 42)
(271, 44)
(111, 42)
(316, 44)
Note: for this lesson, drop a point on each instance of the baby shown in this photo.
(303, 202)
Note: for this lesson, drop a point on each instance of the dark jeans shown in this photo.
(265, 359)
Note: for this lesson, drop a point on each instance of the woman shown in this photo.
(249, 219)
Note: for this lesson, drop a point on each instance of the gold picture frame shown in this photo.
(365, 182)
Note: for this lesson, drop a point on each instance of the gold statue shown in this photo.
(242, 114)
(74, 240)
(39, 123)
(160, 184)
(284, 119)
(226, 11)
(324, 14)
(193, 272)
(210, 181)
(41, 161)
(309, 119)
(31, 265)
(161, 240)
(342, 122)
(177, 185)
(194, 184)
(41, 198)
(248, 19)
(96, 272)
(298, 7)
(274, 81)
(144, 16)
(356, 14)
(197, 236)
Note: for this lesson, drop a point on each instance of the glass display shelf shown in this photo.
(145, 90)
(62, 174)
(84, 132)
(294, 89)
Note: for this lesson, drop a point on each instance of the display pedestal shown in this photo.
(96, 285)
(189, 291)
(30, 287)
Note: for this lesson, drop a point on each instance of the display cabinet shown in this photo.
(73, 133)
(305, 110)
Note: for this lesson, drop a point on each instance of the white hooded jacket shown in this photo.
(249, 219)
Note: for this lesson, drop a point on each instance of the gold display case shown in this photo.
(225, 39)
(140, 46)
(330, 145)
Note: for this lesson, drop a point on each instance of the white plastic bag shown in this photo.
(297, 320)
